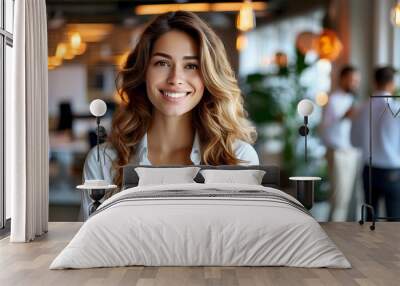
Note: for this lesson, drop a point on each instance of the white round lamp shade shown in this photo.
(305, 107)
(98, 108)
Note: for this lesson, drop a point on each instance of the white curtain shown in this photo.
(27, 124)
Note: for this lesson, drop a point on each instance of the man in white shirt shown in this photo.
(341, 157)
(385, 143)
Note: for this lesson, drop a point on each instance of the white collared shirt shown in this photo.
(335, 130)
(385, 132)
(103, 170)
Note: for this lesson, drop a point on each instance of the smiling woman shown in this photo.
(174, 83)
(181, 104)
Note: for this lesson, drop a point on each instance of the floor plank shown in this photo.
(374, 255)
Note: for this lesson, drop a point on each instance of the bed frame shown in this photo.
(271, 178)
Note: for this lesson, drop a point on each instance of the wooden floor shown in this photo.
(374, 255)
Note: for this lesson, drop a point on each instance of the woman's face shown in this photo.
(173, 80)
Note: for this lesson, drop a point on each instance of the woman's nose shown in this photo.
(176, 76)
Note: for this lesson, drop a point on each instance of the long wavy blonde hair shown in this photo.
(219, 117)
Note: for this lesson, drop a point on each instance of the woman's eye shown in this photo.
(161, 63)
(192, 66)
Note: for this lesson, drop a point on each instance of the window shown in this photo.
(279, 36)
(6, 43)
(9, 13)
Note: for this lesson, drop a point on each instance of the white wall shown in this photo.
(361, 42)
(387, 37)
(383, 32)
(373, 39)
(68, 82)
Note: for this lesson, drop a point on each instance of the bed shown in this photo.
(201, 224)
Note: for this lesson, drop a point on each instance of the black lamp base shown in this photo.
(305, 193)
(96, 195)
(303, 131)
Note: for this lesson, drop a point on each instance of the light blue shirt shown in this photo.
(335, 130)
(103, 170)
(385, 133)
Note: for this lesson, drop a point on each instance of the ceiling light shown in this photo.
(61, 50)
(241, 42)
(322, 98)
(395, 15)
(75, 40)
(196, 7)
(91, 32)
(246, 20)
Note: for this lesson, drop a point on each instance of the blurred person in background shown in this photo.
(342, 158)
(385, 143)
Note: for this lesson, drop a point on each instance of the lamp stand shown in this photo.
(305, 137)
(96, 195)
(303, 131)
(101, 134)
(98, 138)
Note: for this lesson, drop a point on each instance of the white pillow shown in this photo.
(248, 177)
(162, 176)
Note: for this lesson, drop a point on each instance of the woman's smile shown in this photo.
(174, 96)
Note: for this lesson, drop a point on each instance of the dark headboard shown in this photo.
(270, 179)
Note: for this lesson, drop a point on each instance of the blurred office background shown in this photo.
(294, 51)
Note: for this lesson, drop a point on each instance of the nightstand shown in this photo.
(96, 193)
(305, 190)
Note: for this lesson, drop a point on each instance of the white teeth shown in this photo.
(175, 94)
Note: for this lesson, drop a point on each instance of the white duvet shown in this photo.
(269, 228)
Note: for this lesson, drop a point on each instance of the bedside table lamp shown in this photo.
(97, 188)
(98, 108)
(305, 107)
(305, 185)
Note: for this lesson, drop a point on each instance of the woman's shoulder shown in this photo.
(246, 152)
